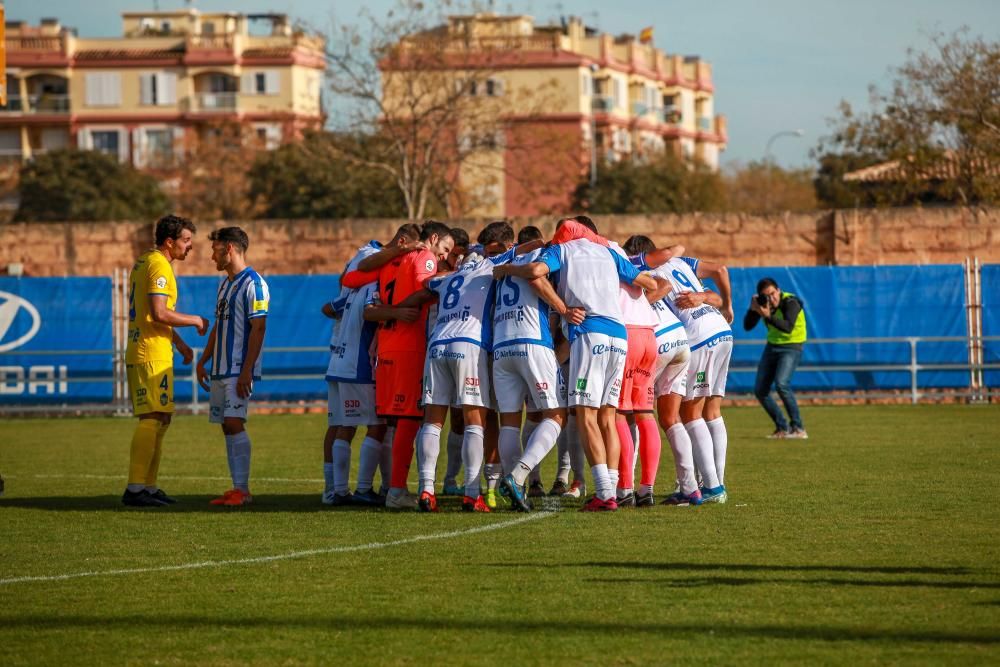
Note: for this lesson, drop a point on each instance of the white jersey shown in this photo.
(703, 324)
(465, 302)
(586, 272)
(636, 310)
(519, 314)
(240, 300)
(352, 337)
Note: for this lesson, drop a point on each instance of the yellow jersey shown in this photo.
(148, 341)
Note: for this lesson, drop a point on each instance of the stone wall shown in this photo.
(892, 236)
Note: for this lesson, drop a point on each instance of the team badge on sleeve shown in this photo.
(161, 282)
(430, 265)
(259, 306)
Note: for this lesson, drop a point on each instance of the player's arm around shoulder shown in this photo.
(720, 274)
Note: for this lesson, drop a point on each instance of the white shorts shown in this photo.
(671, 363)
(351, 404)
(527, 372)
(223, 403)
(709, 367)
(457, 373)
(596, 365)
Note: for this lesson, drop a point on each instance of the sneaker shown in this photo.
(797, 434)
(452, 490)
(1, 486)
(162, 497)
(778, 435)
(491, 498)
(716, 495)
(400, 499)
(644, 499)
(474, 504)
(141, 499)
(678, 499)
(536, 490)
(576, 490)
(233, 498)
(427, 502)
(628, 500)
(559, 488)
(515, 492)
(595, 504)
(367, 499)
(340, 499)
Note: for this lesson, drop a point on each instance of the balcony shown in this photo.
(215, 101)
(44, 103)
(670, 115)
(13, 105)
(639, 109)
(602, 104)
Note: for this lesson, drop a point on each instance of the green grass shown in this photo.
(875, 541)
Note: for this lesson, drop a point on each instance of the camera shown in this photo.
(762, 300)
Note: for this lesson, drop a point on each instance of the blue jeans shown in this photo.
(776, 366)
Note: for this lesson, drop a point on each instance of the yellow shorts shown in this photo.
(151, 386)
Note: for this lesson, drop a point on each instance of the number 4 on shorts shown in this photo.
(163, 383)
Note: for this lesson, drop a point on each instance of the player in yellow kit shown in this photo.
(149, 355)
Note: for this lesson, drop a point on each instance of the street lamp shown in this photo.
(593, 128)
(769, 160)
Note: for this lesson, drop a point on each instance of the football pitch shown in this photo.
(877, 540)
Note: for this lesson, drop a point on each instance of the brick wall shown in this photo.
(896, 236)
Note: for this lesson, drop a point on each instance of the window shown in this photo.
(494, 87)
(618, 92)
(158, 89)
(208, 28)
(103, 89)
(159, 147)
(586, 85)
(261, 83)
(106, 141)
(165, 27)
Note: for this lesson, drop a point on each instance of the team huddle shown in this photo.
(576, 344)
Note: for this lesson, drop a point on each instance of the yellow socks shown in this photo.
(144, 448)
(154, 463)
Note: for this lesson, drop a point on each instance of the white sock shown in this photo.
(341, 466)
(529, 428)
(428, 448)
(720, 443)
(645, 489)
(368, 460)
(240, 470)
(613, 476)
(704, 452)
(472, 458)
(327, 477)
(492, 472)
(562, 471)
(385, 459)
(454, 457)
(543, 439)
(602, 483)
(510, 447)
(680, 445)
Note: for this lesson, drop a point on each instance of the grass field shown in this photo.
(876, 541)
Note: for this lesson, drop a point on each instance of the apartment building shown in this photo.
(616, 98)
(167, 78)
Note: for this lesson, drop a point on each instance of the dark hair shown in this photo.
(171, 226)
(460, 236)
(497, 232)
(409, 231)
(586, 222)
(233, 235)
(433, 227)
(638, 244)
(764, 283)
(529, 233)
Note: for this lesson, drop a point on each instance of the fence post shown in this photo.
(913, 371)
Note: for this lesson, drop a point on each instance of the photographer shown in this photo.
(786, 333)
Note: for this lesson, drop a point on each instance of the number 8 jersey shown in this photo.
(466, 298)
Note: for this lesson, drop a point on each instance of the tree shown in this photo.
(765, 187)
(433, 96)
(212, 180)
(307, 179)
(665, 184)
(938, 124)
(86, 186)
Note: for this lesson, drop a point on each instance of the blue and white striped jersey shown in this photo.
(589, 276)
(240, 300)
(519, 314)
(702, 324)
(352, 338)
(465, 303)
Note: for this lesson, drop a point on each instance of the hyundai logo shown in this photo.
(10, 306)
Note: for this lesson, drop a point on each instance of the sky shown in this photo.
(778, 65)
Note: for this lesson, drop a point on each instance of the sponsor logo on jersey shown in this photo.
(441, 352)
(581, 384)
(601, 348)
(699, 376)
(14, 308)
(505, 353)
(665, 348)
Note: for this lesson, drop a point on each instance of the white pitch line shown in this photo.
(282, 480)
(371, 546)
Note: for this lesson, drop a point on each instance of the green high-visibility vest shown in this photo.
(798, 332)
